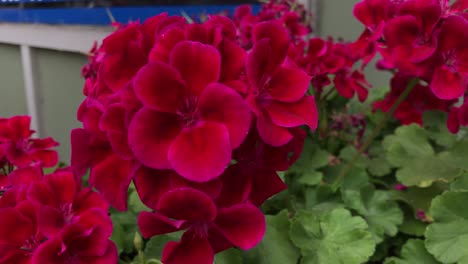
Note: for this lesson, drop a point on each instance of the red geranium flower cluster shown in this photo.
(326, 60)
(293, 15)
(424, 39)
(198, 123)
(47, 219)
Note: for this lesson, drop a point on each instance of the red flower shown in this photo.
(84, 241)
(61, 201)
(19, 149)
(19, 234)
(210, 229)
(189, 122)
(277, 89)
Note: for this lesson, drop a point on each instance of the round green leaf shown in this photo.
(334, 238)
(413, 252)
(447, 236)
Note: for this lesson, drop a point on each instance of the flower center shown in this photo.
(188, 111)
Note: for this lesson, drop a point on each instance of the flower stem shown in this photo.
(412, 83)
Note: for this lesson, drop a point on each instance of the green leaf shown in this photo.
(310, 178)
(411, 225)
(435, 123)
(447, 236)
(312, 158)
(334, 238)
(276, 246)
(348, 152)
(425, 170)
(135, 204)
(460, 184)
(381, 213)
(230, 256)
(413, 252)
(126, 221)
(118, 236)
(408, 142)
(457, 156)
(155, 245)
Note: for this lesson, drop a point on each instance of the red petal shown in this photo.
(198, 64)
(303, 112)
(150, 135)
(265, 184)
(152, 184)
(110, 256)
(232, 60)
(14, 228)
(289, 84)
(63, 186)
(447, 84)
(191, 249)
(50, 221)
(165, 42)
(87, 199)
(153, 224)
(201, 153)
(278, 38)
(222, 104)
(259, 64)
(111, 178)
(160, 87)
(236, 186)
(453, 123)
(244, 225)
(48, 252)
(187, 204)
(271, 133)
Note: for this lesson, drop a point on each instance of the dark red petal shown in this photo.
(198, 64)
(453, 123)
(236, 186)
(95, 218)
(81, 241)
(165, 42)
(191, 249)
(271, 133)
(47, 158)
(232, 60)
(150, 135)
(244, 225)
(278, 38)
(63, 186)
(14, 227)
(152, 184)
(25, 175)
(19, 126)
(160, 87)
(110, 256)
(153, 224)
(265, 184)
(50, 221)
(259, 65)
(111, 177)
(303, 112)
(201, 153)
(41, 193)
(87, 199)
(288, 84)
(187, 204)
(222, 104)
(447, 84)
(48, 252)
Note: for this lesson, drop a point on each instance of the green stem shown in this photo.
(374, 134)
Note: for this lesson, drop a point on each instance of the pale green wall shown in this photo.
(12, 94)
(61, 85)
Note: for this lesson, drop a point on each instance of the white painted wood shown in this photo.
(56, 37)
(32, 89)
